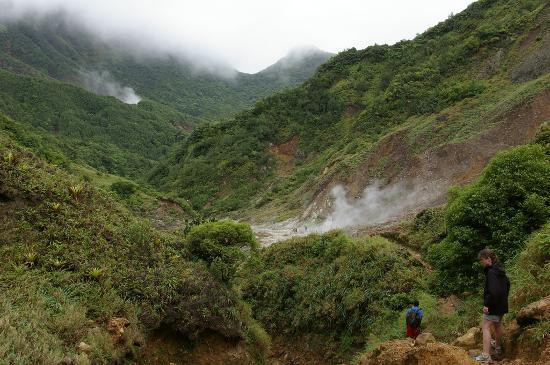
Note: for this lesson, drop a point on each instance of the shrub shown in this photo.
(323, 284)
(124, 188)
(222, 245)
(530, 272)
(510, 200)
(427, 228)
(543, 136)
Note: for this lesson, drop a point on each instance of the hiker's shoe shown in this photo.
(497, 353)
(483, 357)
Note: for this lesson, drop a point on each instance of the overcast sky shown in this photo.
(248, 34)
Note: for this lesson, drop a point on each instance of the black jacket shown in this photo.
(497, 287)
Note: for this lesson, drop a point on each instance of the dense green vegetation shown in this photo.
(94, 130)
(356, 98)
(508, 202)
(75, 254)
(73, 258)
(530, 270)
(323, 285)
(223, 245)
(55, 48)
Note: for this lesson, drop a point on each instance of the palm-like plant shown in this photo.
(31, 258)
(10, 158)
(76, 192)
(95, 273)
(56, 207)
(57, 263)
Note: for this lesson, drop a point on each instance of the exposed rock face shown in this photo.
(437, 167)
(403, 352)
(424, 338)
(116, 326)
(534, 312)
(470, 340)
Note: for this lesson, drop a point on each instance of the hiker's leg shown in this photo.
(498, 333)
(486, 326)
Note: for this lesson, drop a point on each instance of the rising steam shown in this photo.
(102, 83)
(376, 205)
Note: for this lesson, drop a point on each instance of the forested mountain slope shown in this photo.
(80, 126)
(432, 110)
(52, 47)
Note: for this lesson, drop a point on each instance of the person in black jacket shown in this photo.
(495, 301)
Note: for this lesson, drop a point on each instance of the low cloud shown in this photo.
(246, 34)
(102, 83)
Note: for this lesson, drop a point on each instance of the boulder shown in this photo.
(116, 326)
(84, 347)
(424, 338)
(470, 340)
(534, 312)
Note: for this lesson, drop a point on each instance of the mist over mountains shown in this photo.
(243, 34)
(136, 185)
(53, 46)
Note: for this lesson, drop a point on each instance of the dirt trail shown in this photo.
(166, 347)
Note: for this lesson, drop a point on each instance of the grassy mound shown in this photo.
(73, 258)
(330, 286)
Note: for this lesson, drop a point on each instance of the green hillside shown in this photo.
(73, 259)
(76, 263)
(52, 48)
(94, 130)
(449, 84)
(44, 64)
(98, 267)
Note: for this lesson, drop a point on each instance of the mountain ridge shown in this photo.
(449, 83)
(63, 51)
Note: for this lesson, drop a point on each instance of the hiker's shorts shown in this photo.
(492, 318)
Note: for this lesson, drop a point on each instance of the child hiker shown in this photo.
(413, 320)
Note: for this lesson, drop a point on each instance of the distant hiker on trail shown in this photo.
(413, 320)
(495, 302)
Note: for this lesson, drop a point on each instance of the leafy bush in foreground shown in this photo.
(530, 272)
(510, 200)
(328, 284)
(222, 245)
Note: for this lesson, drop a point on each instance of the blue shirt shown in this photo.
(417, 310)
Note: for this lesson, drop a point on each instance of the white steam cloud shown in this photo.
(376, 205)
(102, 83)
